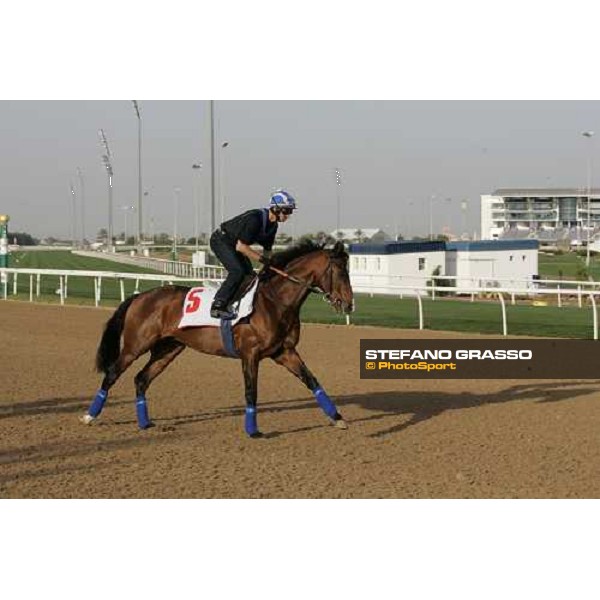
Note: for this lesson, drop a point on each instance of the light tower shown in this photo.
(109, 171)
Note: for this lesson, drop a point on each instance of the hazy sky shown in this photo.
(393, 156)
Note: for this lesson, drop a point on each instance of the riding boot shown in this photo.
(220, 310)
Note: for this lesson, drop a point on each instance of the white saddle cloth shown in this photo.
(196, 307)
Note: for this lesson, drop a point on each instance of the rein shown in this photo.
(314, 289)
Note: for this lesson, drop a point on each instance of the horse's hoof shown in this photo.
(340, 424)
(256, 435)
(87, 419)
(147, 425)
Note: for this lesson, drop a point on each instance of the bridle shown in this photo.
(313, 289)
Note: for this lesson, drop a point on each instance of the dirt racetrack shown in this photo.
(406, 438)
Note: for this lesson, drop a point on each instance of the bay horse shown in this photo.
(149, 322)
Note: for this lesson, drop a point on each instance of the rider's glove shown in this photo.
(265, 260)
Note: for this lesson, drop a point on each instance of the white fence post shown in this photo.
(420, 303)
(595, 313)
(504, 326)
(31, 288)
(122, 286)
(559, 298)
(579, 295)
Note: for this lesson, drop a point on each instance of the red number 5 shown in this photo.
(194, 300)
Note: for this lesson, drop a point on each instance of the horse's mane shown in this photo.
(282, 259)
(285, 257)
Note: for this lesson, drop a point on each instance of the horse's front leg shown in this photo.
(250, 369)
(291, 360)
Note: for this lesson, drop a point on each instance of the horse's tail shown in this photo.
(110, 344)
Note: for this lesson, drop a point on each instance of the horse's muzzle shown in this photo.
(339, 305)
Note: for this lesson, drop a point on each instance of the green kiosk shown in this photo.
(3, 241)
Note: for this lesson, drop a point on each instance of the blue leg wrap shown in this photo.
(325, 402)
(142, 412)
(98, 403)
(250, 423)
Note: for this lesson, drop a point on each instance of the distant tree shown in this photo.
(22, 239)
(307, 237)
(202, 240)
(101, 235)
(163, 239)
(435, 281)
(582, 272)
(358, 234)
(283, 239)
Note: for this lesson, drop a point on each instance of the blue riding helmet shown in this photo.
(281, 199)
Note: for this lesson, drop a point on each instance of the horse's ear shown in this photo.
(339, 248)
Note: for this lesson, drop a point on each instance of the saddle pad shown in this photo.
(196, 307)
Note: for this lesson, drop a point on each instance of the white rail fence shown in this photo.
(169, 267)
(98, 277)
(418, 292)
(378, 284)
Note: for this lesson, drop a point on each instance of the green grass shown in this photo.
(568, 266)
(80, 289)
(442, 314)
(459, 315)
(63, 259)
(560, 265)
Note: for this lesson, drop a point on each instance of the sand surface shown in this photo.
(406, 438)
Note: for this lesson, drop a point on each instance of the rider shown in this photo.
(231, 243)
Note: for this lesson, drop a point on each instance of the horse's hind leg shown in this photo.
(291, 360)
(161, 355)
(110, 378)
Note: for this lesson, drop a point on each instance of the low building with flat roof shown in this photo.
(401, 267)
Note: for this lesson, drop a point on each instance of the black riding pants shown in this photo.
(238, 266)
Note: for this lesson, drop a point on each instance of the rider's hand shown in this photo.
(265, 260)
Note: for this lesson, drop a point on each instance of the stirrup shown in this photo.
(222, 313)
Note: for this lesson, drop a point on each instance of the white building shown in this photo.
(377, 268)
(550, 215)
(399, 267)
(493, 263)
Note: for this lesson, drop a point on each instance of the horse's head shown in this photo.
(335, 280)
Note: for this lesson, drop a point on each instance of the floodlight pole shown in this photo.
(109, 172)
(338, 187)
(212, 166)
(73, 216)
(431, 198)
(81, 184)
(221, 179)
(589, 135)
(139, 207)
(196, 167)
(175, 215)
